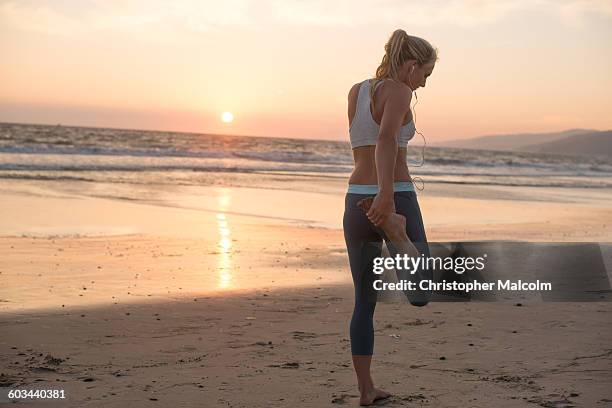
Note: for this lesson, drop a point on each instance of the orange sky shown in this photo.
(284, 68)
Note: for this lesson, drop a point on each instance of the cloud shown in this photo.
(37, 18)
(575, 13)
(201, 16)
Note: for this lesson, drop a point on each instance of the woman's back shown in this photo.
(365, 117)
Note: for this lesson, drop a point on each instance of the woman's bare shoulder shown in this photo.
(354, 91)
(393, 86)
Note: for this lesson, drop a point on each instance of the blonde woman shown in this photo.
(381, 202)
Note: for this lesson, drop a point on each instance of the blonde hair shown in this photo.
(400, 48)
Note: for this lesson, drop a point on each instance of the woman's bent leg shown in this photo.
(405, 235)
(407, 205)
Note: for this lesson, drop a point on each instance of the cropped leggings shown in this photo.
(364, 243)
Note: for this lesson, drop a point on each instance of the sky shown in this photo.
(283, 68)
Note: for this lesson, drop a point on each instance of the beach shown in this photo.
(176, 227)
(219, 296)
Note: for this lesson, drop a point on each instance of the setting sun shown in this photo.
(227, 117)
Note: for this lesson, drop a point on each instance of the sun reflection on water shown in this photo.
(224, 262)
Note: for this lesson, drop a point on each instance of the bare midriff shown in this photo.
(365, 166)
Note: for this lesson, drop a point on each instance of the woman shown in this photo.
(381, 202)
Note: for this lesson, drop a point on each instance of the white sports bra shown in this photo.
(364, 130)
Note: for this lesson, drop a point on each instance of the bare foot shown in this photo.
(394, 226)
(374, 394)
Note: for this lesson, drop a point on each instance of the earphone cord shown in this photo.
(417, 178)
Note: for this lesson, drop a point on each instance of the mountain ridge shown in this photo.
(571, 141)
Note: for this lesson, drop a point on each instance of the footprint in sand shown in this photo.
(300, 335)
(342, 398)
(563, 402)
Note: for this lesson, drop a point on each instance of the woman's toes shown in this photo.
(381, 394)
(375, 394)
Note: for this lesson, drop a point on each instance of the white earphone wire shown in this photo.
(414, 117)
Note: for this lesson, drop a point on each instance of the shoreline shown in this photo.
(133, 250)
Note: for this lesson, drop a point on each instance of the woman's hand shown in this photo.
(382, 206)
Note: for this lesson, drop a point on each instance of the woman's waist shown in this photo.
(370, 176)
(365, 171)
(372, 189)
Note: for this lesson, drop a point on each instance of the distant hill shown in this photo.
(575, 141)
(599, 143)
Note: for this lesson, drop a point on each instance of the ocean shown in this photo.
(45, 152)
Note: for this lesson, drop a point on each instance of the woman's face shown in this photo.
(418, 77)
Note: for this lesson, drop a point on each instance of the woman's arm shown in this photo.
(394, 109)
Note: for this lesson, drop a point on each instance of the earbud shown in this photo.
(409, 81)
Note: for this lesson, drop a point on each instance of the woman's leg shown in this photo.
(363, 243)
(405, 235)
(368, 393)
(407, 205)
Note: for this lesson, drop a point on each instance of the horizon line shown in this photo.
(164, 131)
(278, 137)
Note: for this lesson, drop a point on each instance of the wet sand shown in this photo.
(212, 298)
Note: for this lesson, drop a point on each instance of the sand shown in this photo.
(216, 296)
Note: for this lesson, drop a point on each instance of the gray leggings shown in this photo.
(364, 243)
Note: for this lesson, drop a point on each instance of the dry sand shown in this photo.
(200, 303)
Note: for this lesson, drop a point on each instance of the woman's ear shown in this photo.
(413, 65)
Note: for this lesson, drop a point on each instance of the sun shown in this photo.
(227, 117)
